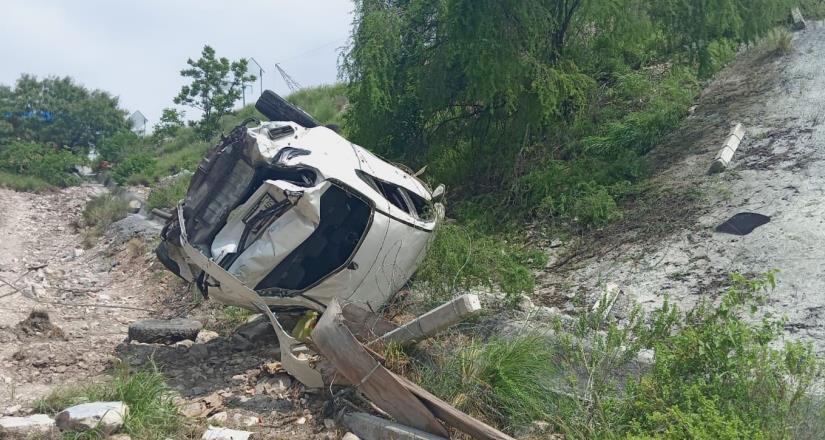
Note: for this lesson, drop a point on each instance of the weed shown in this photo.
(19, 182)
(100, 213)
(718, 371)
(228, 318)
(777, 41)
(167, 196)
(152, 413)
(504, 381)
(461, 258)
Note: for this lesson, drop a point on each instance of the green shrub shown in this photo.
(719, 371)
(503, 381)
(100, 213)
(19, 182)
(152, 413)
(167, 196)
(778, 41)
(460, 258)
(139, 164)
(49, 164)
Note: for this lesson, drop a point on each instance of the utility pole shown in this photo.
(261, 74)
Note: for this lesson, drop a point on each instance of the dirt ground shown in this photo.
(84, 301)
(668, 247)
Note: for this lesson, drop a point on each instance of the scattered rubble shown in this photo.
(106, 416)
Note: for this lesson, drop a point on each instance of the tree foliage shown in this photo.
(58, 111)
(216, 86)
(535, 102)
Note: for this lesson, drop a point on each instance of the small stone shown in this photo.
(106, 416)
(301, 420)
(12, 410)
(186, 343)
(215, 433)
(206, 335)
(278, 384)
(218, 418)
(134, 206)
(250, 421)
(78, 252)
(239, 378)
(329, 423)
(26, 426)
(350, 436)
(193, 410)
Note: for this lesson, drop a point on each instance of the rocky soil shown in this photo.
(65, 312)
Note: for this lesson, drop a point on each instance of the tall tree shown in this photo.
(216, 86)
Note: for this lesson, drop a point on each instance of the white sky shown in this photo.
(136, 49)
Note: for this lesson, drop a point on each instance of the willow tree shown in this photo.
(487, 91)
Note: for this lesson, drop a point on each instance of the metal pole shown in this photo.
(261, 72)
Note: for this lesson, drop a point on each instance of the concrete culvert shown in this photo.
(164, 331)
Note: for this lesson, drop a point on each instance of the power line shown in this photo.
(314, 49)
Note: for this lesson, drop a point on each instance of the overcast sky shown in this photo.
(136, 49)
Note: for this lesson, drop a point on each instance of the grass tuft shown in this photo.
(100, 213)
(152, 412)
(20, 182)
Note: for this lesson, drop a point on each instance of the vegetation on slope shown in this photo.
(536, 111)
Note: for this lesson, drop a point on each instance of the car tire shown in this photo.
(279, 109)
(164, 331)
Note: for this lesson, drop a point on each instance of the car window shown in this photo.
(409, 202)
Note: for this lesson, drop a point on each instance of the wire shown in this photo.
(314, 49)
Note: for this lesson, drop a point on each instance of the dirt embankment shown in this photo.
(68, 339)
(667, 246)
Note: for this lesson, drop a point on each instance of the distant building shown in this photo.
(139, 123)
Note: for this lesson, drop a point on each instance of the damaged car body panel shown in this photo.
(294, 216)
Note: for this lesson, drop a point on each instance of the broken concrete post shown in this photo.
(351, 359)
(797, 19)
(434, 321)
(216, 433)
(725, 155)
(369, 427)
(105, 416)
(25, 427)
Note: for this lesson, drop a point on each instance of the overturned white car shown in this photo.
(290, 214)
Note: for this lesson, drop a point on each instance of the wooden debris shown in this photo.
(725, 155)
(337, 343)
(453, 417)
(369, 427)
(434, 321)
(364, 324)
(797, 19)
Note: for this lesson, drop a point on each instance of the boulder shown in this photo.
(106, 416)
